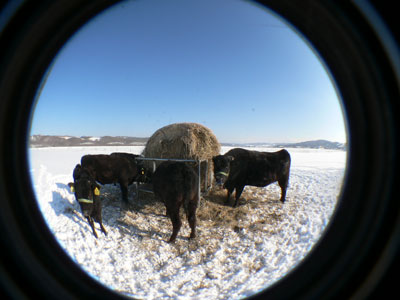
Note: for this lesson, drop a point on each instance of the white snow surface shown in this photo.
(135, 259)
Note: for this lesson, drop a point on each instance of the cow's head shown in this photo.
(86, 190)
(144, 173)
(221, 168)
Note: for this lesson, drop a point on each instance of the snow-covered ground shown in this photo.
(231, 260)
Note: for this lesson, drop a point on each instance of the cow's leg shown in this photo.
(98, 218)
(228, 195)
(283, 183)
(191, 215)
(91, 223)
(124, 191)
(102, 228)
(239, 190)
(176, 223)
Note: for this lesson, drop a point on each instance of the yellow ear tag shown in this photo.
(96, 192)
(72, 189)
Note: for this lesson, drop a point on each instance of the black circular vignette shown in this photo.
(358, 249)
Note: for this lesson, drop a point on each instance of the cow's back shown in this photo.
(129, 156)
(97, 165)
(126, 164)
(175, 179)
(238, 153)
(243, 154)
(257, 168)
(109, 168)
(278, 162)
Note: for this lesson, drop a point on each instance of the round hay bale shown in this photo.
(185, 141)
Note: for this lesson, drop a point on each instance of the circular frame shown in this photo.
(352, 258)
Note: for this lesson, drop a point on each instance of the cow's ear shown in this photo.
(71, 186)
(231, 158)
(77, 171)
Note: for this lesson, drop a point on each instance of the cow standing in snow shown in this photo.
(239, 167)
(122, 168)
(87, 193)
(176, 184)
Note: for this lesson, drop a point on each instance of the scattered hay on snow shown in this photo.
(258, 210)
(237, 252)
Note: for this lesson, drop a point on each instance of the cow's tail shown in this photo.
(286, 161)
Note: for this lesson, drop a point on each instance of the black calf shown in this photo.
(117, 167)
(87, 193)
(177, 184)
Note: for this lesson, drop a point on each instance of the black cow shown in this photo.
(122, 168)
(239, 167)
(87, 193)
(177, 184)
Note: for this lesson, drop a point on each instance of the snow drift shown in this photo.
(261, 241)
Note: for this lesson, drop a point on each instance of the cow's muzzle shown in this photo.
(86, 206)
(221, 177)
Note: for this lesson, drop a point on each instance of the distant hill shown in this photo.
(37, 141)
(317, 144)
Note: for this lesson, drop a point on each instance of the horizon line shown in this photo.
(223, 142)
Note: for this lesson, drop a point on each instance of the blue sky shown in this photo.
(230, 65)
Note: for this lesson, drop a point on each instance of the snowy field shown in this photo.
(230, 259)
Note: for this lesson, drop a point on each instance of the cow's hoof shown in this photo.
(172, 239)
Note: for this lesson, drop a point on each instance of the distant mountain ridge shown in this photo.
(317, 144)
(39, 141)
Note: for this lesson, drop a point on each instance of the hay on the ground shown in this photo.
(184, 141)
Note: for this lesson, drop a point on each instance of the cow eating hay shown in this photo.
(240, 167)
(184, 141)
